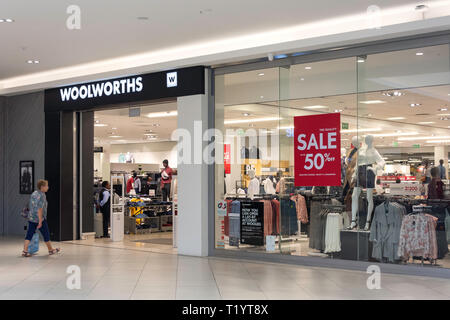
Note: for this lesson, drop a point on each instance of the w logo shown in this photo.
(172, 79)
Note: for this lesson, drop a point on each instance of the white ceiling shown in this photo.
(111, 29)
(126, 129)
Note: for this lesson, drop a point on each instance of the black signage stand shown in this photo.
(252, 223)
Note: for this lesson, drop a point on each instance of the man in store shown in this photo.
(130, 183)
(166, 179)
(105, 206)
(442, 173)
(137, 183)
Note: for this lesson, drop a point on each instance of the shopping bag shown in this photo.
(33, 247)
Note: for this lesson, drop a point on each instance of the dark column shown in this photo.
(87, 170)
(52, 171)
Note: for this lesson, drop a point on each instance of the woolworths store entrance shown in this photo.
(119, 131)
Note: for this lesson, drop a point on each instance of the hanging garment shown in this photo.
(227, 218)
(235, 220)
(385, 232)
(302, 211)
(288, 217)
(268, 217)
(333, 233)
(276, 215)
(415, 237)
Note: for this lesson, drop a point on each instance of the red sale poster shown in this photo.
(317, 149)
(227, 158)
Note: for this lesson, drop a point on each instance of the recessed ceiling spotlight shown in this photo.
(308, 68)
(421, 8)
(419, 53)
(33, 61)
(8, 20)
(100, 125)
(442, 109)
(393, 94)
(362, 59)
(261, 74)
(338, 110)
(246, 114)
(412, 105)
(426, 122)
(262, 97)
(302, 79)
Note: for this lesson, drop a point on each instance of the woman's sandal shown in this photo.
(26, 254)
(52, 252)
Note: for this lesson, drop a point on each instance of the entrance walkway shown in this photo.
(115, 273)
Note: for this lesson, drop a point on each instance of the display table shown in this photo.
(355, 245)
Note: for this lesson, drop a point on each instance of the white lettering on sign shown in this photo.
(329, 143)
(94, 90)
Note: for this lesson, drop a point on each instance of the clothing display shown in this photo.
(333, 229)
(385, 231)
(418, 236)
(253, 187)
(366, 177)
(302, 211)
(288, 217)
(268, 186)
(351, 160)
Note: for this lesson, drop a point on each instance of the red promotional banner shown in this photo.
(227, 158)
(317, 149)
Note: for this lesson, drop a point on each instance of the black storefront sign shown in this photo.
(252, 223)
(153, 86)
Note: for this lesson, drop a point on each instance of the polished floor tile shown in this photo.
(122, 273)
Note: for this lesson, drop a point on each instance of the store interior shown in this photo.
(410, 130)
(130, 145)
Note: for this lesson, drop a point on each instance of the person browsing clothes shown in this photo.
(105, 206)
(166, 179)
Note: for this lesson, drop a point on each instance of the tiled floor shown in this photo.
(117, 273)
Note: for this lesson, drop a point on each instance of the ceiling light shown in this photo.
(393, 94)
(246, 114)
(372, 102)
(9, 20)
(426, 122)
(308, 68)
(442, 109)
(419, 53)
(424, 138)
(251, 120)
(338, 110)
(360, 130)
(100, 125)
(444, 114)
(302, 79)
(33, 61)
(444, 118)
(412, 105)
(396, 118)
(260, 74)
(162, 114)
(115, 136)
(315, 107)
(438, 141)
(280, 56)
(397, 134)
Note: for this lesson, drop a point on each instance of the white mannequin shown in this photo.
(253, 187)
(369, 156)
(268, 186)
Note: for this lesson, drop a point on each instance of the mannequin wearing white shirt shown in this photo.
(268, 186)
(367, 156)
(253, 187)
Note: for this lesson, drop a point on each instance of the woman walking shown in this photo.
(37, 218)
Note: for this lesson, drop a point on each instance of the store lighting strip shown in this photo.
(251, 120)
(438, 141)
(360, 130)
(396, 134)
(162, 114)
(424, 138)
